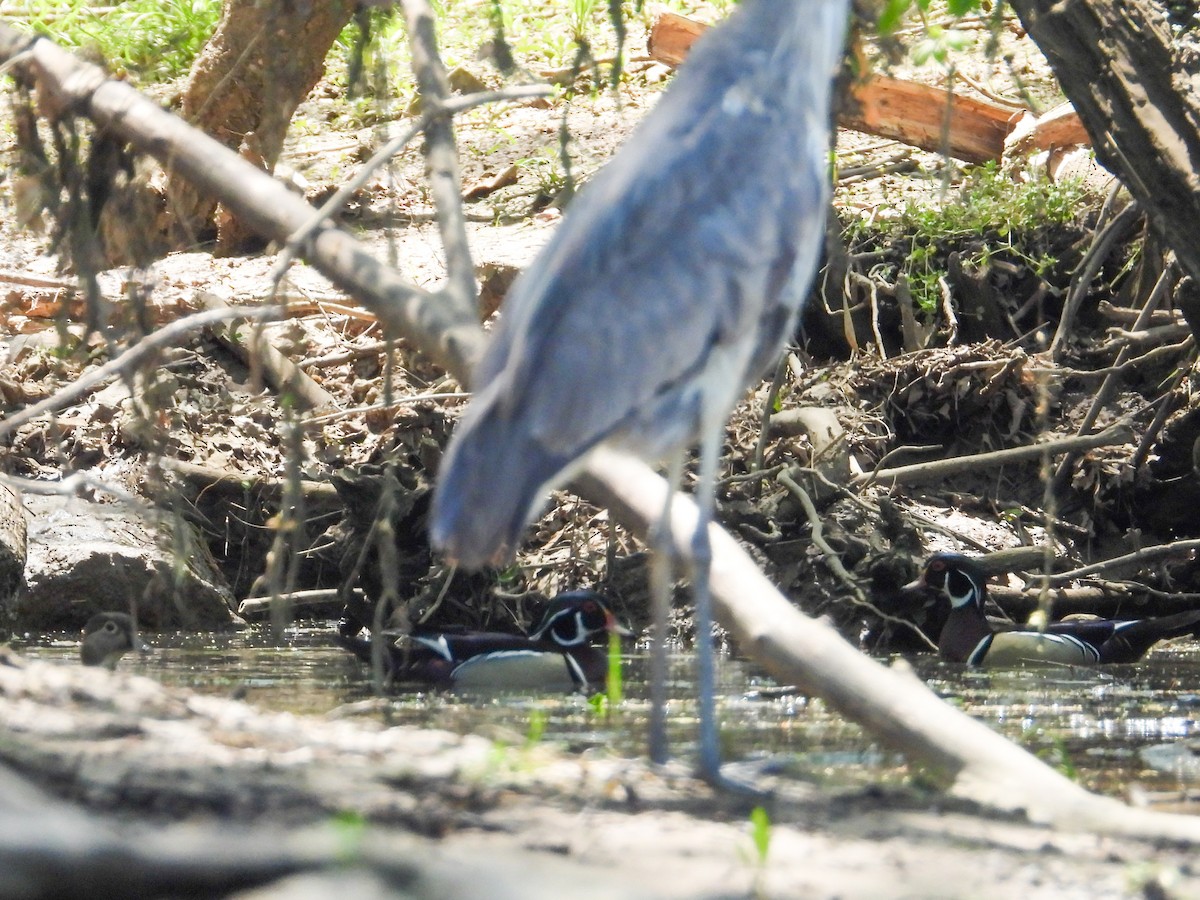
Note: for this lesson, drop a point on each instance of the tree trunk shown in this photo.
(244, 87)
(1134, 87)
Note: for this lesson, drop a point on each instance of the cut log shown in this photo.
(917, 114)
(914, 113)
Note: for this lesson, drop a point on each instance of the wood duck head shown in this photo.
(574, 618)
(107, 637)
(961, 582)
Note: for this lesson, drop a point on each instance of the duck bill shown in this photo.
(916, 584)
(612, 626)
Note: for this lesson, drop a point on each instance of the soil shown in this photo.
(208, 408)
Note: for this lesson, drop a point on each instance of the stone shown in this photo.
(87, 557)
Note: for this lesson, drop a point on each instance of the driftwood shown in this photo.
(931, 471)
(891, 704)
(254, 350)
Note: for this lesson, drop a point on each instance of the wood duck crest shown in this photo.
(107, 637)
(969, 637)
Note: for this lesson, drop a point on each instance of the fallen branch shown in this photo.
(256, 353)
(889, 702)
(1138, 559)
(931, 471)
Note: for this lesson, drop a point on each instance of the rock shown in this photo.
(87, 557)
(13, 550)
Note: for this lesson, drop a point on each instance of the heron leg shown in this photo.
(662, 569)
(711, 439)
(709, 761)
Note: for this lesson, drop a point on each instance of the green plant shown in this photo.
(615, 690)
(349, 828)
(155, 39)
(760, 840)
(992, 215)
(536, 730)
(1057, 757)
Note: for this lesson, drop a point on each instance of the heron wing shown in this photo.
(701, 233)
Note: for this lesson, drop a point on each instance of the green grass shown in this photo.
(155, 40)
(992, 215)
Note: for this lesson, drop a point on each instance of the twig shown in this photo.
(318, 599)
(764, 434)
(1165, 408)
(948, 311)
(834, 562)
(1114, 434)
(1095, 258)
(445, 185)
(396, 403)
(1109, 385)
(127, 361)
(1128, 316)
(1137, 557)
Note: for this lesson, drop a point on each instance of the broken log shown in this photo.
(921, 115)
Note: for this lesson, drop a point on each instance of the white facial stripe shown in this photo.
(576, 670)
(439, 646)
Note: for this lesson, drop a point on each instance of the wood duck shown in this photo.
(557, 655)
(968, 637)
(107, 637)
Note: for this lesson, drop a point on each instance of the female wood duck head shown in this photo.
(107, 637)
(969, 637)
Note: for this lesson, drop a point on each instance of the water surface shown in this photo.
(1096, 724)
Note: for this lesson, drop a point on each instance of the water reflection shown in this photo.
(1094, 723)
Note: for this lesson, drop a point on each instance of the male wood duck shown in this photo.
(969, 637)
(107, 637)
(557, 655)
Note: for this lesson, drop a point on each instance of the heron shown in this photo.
(672, 283)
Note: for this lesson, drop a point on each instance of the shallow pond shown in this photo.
(1104, 725)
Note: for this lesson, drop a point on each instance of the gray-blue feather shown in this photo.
(671, 284)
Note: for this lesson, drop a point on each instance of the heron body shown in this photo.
(671, 284)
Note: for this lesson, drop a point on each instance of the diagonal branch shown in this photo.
(442, 158)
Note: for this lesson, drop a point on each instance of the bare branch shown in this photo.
(930, 471)
(163, 337)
